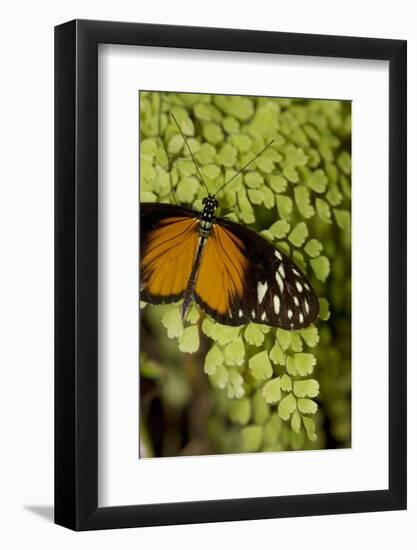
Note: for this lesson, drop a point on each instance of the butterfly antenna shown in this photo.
(191, 153)
(245, 166)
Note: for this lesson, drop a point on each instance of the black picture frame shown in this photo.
(76, 271)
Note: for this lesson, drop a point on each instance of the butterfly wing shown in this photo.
(243, 278)
(169, 240)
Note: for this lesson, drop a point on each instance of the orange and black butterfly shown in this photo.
(233, 274)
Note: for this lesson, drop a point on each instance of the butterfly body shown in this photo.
(231, 272)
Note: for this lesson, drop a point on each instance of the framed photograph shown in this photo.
(230, 275)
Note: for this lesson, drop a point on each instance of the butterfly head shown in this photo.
(210, 205)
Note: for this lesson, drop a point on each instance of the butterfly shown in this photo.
(234, 274)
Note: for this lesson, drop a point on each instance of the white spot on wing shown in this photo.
(307, 307)
(281, 271)
(262, 288)
(278, 255)
(296, 302)
(299, 286)
(279, 281)
(240, 313)
(263, 316)
(301, 318)
(289, 313)
(253, 314)
(276, 304)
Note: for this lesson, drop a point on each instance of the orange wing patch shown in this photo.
(167, 257)
(221, 274)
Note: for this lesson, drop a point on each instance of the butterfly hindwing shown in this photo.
(244, 278)
(169, 240)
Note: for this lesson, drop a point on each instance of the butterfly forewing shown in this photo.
(169, 239)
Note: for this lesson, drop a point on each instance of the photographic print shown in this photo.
(245, 274)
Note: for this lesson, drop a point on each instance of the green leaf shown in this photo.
(344, 162)
(287, 406)
(277, 355)
(206, 154)
(260, 366)
(251, 438)
(310, 428)
(286, 383)
(299, 234)
(321, 267)
(303, 363)
(302, 200)
(253, 180)
(212, 133)
(202, 112)
(235, 352)
(173, 323)
(278, 184)
(323, 210)
(283, 338)
(345, 185)
(310, 336)
(234, 387)
(290, 366)
(284, 247)
(294, 156)
(265, 164)
(255, 196)
(313, 248)
(291, 174)
(193, 315)
(279, 229)
(284, 205)
(307, 406)
(189, 341)
(334, 196)
(242, 142)
(214, 358)
(220, 378)
(240, 411)
(254, 335)
(312, 133)
(299, 260)
(272, 391)
(296, 422)
(245, 208)
(184, 120)
(221, 333)
(187, 188)
(240, 107)
(227, 155)
(342, 219)
(232, 126)
(269, 198)
(296, 342)
(306, 388)
(211, 171)
(317, 181)
(324, 309)
(147, 196)
(175, 144)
